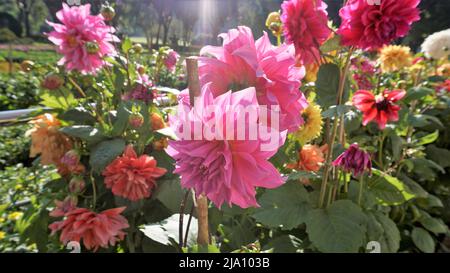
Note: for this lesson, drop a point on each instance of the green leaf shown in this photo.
(284, 244)
(296, 175)
(417, 93)
(104, 153)
(420, 120)
(331, 44)
(78, 115)
(435, 225)
(336, 110)
(382, 229)
(285, 207)
(84, 132)
(170, 193)
(121, 121)
(167, 231)
(423, 240)
(327, 85)
(387, 189)
(127, 45)
(59, 100)
(339, 228)
(439, 155)
(397, 145)
(428, 139)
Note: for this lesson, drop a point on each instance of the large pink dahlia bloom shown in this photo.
(82, 38)
(241, 63)
(305, 24)
(369, 26)
(227, 170)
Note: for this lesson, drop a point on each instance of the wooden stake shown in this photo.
(202, 201)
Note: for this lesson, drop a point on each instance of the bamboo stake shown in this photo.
(202, 201)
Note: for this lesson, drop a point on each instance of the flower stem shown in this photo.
(380, 151)
(278, 40)
(341, 88)
(361, 188)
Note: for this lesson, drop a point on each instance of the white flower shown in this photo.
(437, 45)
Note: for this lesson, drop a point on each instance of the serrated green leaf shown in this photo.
(285, 207)
(339, 228)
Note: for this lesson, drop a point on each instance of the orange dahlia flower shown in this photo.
(311, 158)
(47, 140)
(157, 122)
(132, 177)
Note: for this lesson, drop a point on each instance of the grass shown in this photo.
(35, 56)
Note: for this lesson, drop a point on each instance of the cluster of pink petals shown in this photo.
(305, 25)
(226, 171)
(241, 63)
(132, 177)
(95, 229)
(369, 26)
(78, 28)
(171, 60)
(381, 108)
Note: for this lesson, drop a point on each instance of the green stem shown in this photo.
(342, 81)
(380, 151)
(278, 40)
(94, 192)
(361, 188)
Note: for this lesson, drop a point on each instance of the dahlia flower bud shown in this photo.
(108, 12)
(27, 66)
(157, 122)
(161, 144)
(354, 160)
(136, 120)
(52, 82)
(92, 48)
(71, 158)
(141, 70)
(273, 22)
(77, 185)
(137, 48)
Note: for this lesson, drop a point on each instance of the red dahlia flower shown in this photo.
(132, 177)
(95, 229)
(381, 108)
(369, 26)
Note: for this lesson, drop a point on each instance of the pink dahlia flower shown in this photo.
(305, 24)
(82, 38)
(95, 229)
(132, 177)
(241, 63)
(171, 60)
(222, 168)
(369, 26)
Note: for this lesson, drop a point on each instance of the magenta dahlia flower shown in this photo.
(369, 26)
(354, 160)
(305, 24)
(82, 38)
(213, 161)
(241, 63)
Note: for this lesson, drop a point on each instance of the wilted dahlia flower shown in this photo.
(394, 57)
(381, 108)
(82, 38)
(437, 45)
(47, 140)
(95, 229)
(224, 169)
(354, 160)
(241, 63)
(369, 27)
(132, 177)
(305, 24)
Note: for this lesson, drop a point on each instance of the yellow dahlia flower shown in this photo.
(2, 235)
(313, 124)
(393, 58)
(311, 72)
